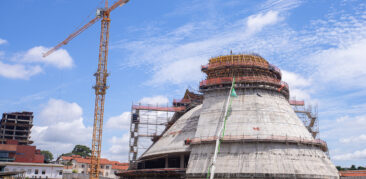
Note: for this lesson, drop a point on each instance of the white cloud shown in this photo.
(175, 56)
(57, 110)
(178, 72)
(280, 5)
(343, 127)
(340, 132)
(156, 100)
(60, 58)
(357, 155)
(30, 63)
(3, 41)
(119, 122)
(298, 85)
(294, 80)
(61, 128)
(256, 22)
(342, 66)
(118, 149)
(18, 71)
(357, 139)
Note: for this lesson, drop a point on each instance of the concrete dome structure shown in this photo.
(263, 138)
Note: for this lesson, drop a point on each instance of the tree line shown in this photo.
(81, 150)
(353, 167)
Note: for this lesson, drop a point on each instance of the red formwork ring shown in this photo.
(277, 139)
(247, 64)
(229, 63)
(223, 80)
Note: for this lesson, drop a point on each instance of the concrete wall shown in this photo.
(258, 114)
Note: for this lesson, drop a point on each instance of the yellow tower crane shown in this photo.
(101, 79)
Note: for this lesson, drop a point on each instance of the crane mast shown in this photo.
(100, 91)
(101, 79)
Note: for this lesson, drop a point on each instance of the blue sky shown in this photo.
(156, 49)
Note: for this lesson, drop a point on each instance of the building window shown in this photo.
(29, 171)
(43, 172)
(36, 171)
(82, 172)
(60, 172)
(101, 166)
(106, 174)
(82, 166)
(107, 167)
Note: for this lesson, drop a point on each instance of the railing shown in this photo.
(235, 63)
(252, 79)
(272, 138)
(274, 68)
(242, 63)
(297, 103)
(159, 108)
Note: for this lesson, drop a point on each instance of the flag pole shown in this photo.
(211, 169)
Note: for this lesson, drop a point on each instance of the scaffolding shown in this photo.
(308, 115)
(250, 71)
(147, 124)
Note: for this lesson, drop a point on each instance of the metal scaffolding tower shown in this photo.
(308, 115)
(147, 124)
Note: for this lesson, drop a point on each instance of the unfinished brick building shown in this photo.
(16, 126)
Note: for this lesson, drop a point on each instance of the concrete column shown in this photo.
(166, 162)
(181, 161)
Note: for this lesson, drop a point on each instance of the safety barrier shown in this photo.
(251, 79)
(240, 57)
(272, 138)
(275, 69)
(245, 64)
(235, 63)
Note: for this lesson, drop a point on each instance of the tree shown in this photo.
(81, 150)
(67, 154)
(48, 157)
(353, 167)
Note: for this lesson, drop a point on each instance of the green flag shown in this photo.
(233, 93)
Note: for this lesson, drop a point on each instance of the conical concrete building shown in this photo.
(263, 137)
